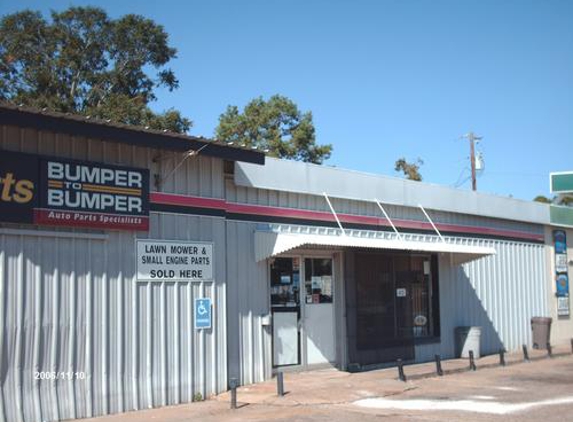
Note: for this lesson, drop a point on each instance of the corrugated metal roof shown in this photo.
(108, 130)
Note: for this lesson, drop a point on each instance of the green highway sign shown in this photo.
(562, 216)
(561, 182)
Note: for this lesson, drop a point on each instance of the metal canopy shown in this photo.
(269, 244)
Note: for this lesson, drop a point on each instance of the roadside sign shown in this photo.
(203, 313)
(561, 182)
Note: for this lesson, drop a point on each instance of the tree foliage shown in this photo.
(543, 199)
(275, 125)
(564, 200)
(410, 170)
(86, 63)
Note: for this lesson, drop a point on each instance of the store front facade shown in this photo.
(297, 267)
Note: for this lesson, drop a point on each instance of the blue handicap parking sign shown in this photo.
(202, 313)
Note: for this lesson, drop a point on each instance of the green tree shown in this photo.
(563, 200)
(275, 125)
(410, 170)
(566, 200)
(83, 62)
(543, 199)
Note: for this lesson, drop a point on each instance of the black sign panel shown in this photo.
(19, 180)
(53, 191)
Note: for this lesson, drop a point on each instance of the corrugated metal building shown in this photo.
(310, 266)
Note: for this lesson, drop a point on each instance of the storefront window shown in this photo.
(285, 282)
(318, 280)
(396, 299)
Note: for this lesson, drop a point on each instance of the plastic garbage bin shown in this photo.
(540, 331)
(467, 338)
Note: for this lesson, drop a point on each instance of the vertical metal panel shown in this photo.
(71, 304)
(500, 293)
(248, 301)
(133, 343)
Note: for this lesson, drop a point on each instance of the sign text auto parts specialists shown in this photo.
(51, 191)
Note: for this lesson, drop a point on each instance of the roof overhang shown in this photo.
(269, 244)
(120, 133)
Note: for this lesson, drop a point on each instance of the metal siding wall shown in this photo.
(72, 304)
(500, 293)
(248, 300)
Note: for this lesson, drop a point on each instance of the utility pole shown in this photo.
(473, 138)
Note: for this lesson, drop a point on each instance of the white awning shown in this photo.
(269, 244)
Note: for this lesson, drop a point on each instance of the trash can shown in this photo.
(540, 332)
(467, 338)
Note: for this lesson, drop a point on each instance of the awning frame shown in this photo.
(270, 243)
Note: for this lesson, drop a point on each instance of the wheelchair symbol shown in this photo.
(201, 309)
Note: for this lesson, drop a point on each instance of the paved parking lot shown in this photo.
(538, 390)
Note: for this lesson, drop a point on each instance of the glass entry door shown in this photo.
(302, 306)
(285, 309)
(319, 311)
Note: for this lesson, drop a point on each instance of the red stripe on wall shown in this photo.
(183, 200)
(263, 210)
(279, 212)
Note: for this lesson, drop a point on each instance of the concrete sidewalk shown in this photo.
(315, 392)
(331, 386)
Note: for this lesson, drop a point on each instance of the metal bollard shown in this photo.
(549, 351)
(280, 384)
(525, 353)
(439, 365)
(502, 356)
(233, 384)
(401, 374)
(473, 366)
(572, 345)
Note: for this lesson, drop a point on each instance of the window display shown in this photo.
(397, 298)
(318, 280)
(285, 281)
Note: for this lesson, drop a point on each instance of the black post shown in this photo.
(473, 366)
(401, 374)
(439, 365)
(280, 384)
(572, 345)
(502, 356)
(233, 384)
(549, 351)
(525, 353)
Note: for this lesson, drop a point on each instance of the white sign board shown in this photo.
(162, 260)
(561, 262)
(562, 306)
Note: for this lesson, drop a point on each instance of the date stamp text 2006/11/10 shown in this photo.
(62, 375)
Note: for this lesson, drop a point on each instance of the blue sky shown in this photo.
(385, 79)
